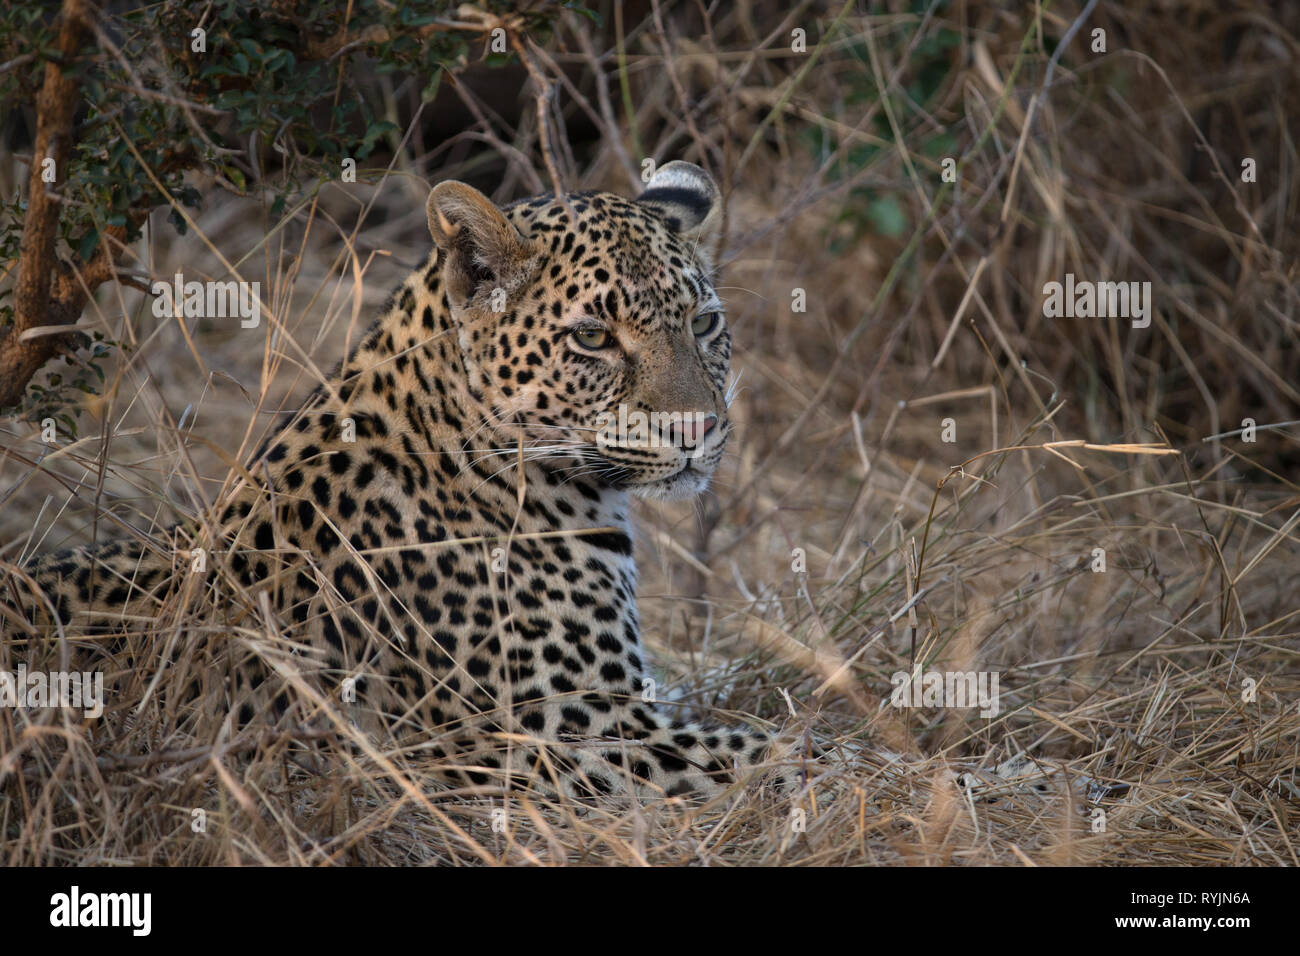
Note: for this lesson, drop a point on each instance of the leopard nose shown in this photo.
(694, 427)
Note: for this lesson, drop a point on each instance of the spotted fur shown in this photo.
(467, 561)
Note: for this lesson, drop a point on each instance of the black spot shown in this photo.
(615, 541)
(264, 540)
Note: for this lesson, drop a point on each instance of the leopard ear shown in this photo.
(689, 201)
(479, 247)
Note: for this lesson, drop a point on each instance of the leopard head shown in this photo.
(590, 328)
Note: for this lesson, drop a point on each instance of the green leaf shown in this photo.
(89, 243)
(591, 15)
(375, 131)
(887, 217)
(431, 88)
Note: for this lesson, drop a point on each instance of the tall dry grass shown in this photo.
(845, 540)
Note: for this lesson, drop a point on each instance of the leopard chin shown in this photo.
(689, 481)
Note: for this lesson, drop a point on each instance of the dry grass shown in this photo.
(1124, 688)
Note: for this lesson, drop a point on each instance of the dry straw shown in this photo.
(1163, 692)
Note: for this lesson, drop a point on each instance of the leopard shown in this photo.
(443, 526)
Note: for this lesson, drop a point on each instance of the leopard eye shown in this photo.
(592, 338)
(705, 323)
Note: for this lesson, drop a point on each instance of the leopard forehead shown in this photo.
(615, 264)
(606, 262)
(593, 242)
